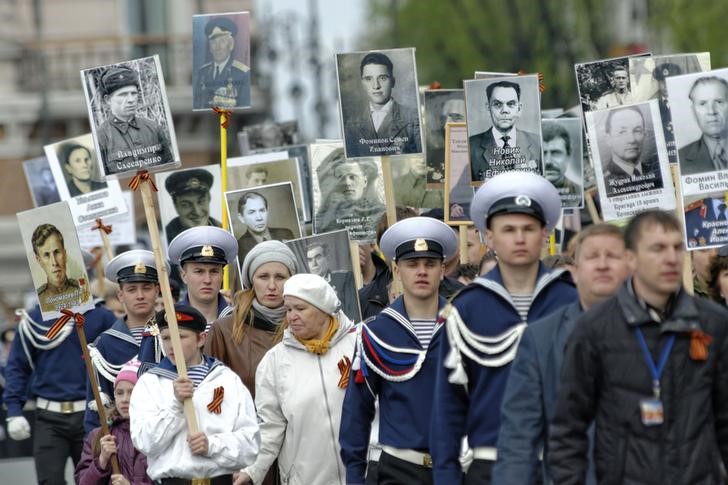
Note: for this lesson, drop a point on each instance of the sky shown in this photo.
(340, 22)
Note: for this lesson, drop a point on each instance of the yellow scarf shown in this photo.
(320, 346)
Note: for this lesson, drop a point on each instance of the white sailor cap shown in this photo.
(132, 266)
(516, 192)
(203, 244)
(418, 237)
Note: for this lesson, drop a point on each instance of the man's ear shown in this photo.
(201, 339)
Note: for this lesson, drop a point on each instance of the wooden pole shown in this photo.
(687, 276)
(591, 206)
(354, 253)
(391, 205)
(463, 237)
(148, 200)
(95, 388)
(107, 245)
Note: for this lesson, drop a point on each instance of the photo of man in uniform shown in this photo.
(383, 126)
(253, 214)
(128, 141)
(557, 157)
(709, 98)
(619, 94)
(503, 146)
(318, 257)
(411, 189)
(50, 253)
(701, 222)
(190, 193)
(78, 163)
(627, 169)
(224, 81)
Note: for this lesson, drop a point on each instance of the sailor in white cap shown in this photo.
(396, 360)
(516, 211)
(135, 272)
(201, 253)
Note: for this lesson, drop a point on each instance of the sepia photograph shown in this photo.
(55, 259)
(648, 81)
(189, 198)
(504, 125)
(262, 214)
(409, 174)
(348, 193)
(221, 61)
(130, 117)
(329, 256)
(630, 160)
(267, 135)
(441, 106)
(458, 190)
(379, 103)
(563, 161)
(78, 177)
(41, 184)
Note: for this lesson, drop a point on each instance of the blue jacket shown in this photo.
(405, 407)
(117, 346)
(474, 410)
(529, 401)
(57, 374)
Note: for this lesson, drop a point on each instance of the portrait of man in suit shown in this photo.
(253, 214)
(383, 125)
(709, 101)
(317, 259)
(629, 168)
(503, 146)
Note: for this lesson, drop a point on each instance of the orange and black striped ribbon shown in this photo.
(101, 226)
(140, 176)
(345, 369)
(62, 321)
(699, 343)
(215, 405)
(541, 85)
(226, 112)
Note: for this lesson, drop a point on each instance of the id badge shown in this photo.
(652, 412)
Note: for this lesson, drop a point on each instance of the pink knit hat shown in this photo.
(128, 372)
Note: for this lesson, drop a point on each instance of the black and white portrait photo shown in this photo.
(348, 193)
(302, 156)
(648, 81)
(329, 256)
(379, 102)
(441, 106)
(410, 189)
(458, 190)
(504, 125)
(268, 135)
(189, 198)
(699, 105)
(221, 61)
(130, 117)
(563, 161)
(41, 183)
(262, 214)
(55, 259)
(630, 157)
(79, 180)
(604, 84)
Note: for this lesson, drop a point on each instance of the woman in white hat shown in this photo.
(300, 387)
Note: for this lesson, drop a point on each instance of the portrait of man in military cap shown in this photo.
(130, 117)
(194, 197)
(221, 61)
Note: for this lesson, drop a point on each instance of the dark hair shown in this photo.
(318, 244)
(619, 67)
(633, 231)
(717, 265)
(550, 131)
(608, 123)
(601, 229)
(368, 167)
(402, 213)
(503, 84)
(246, 197)
(467, 270)
(379, 59)
(65, 150)
(707, 80)
(41, 235)
(487, 258)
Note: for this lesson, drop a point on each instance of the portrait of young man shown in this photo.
(190, 193)
(380, 116)
(221, 54)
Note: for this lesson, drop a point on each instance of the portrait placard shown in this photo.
(221, 61)
(504, 125)
(647, 80)
(563, 160)
(458, 188)
(441, 106)
(409, 174)
(379, 103)
(55, 259)
(630, 160)
(245, 175)
(40, 180)
(130, 117)
(252, 213)
(268, 135)
(604, 83)
(189, 198)
(79, 180)
(347, 194)
(123, 227)
(329, 256)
